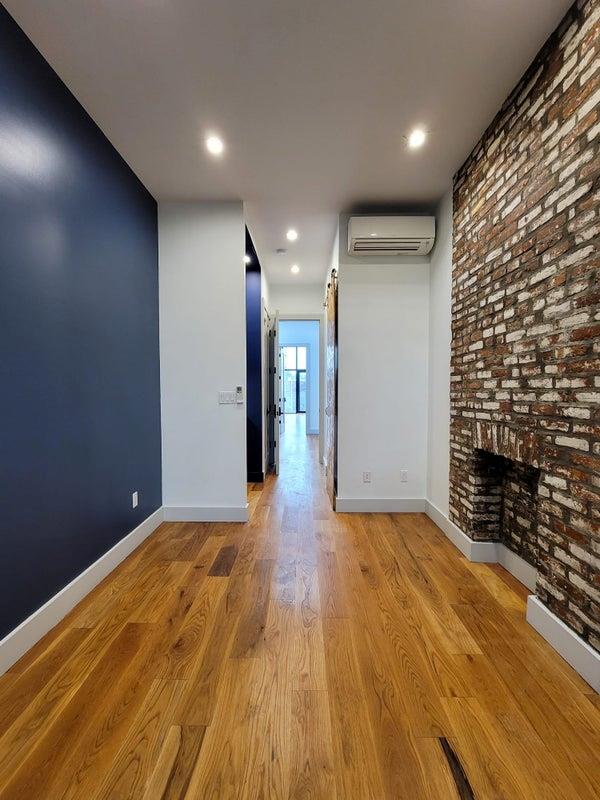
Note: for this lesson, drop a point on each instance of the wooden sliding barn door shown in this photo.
(331, 381)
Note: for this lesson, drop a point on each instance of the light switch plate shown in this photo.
(134, 500)
(227, 398)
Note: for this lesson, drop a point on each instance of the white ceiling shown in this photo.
(312, 97)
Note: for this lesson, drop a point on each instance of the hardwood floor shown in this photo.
(302, 655)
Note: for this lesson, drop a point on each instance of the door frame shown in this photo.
(320, 318)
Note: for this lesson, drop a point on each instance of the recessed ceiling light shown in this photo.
(295, 269)
(292, 235)
(247, 259)
(417, 138)
(214, 145)
(372, 234)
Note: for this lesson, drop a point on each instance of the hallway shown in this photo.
(298, 454)
(303, 654)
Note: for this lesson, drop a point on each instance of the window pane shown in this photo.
(289, 357)
(302, 391)
(302, 358)
(289, 392)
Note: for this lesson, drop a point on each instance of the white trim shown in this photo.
(522, 570)
(482, 552)
(381, 505)
(583, 658)
(206, 513)
(31, 630)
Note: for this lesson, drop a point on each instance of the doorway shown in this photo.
(299, 341)
(297, 345)
(294, 379)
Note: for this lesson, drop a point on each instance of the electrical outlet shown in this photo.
(134, 500)
(366, 477)
(403, 476)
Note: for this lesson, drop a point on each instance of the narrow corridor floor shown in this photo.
(301, 655)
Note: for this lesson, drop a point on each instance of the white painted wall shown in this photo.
(202, 344)
(440, 291)
(393, 362)
(296, 299)
(306, 332)
(335, 252)
(264, 289)
(382, 376)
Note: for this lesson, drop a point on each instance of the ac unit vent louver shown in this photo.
(387, 245)
(390, 236)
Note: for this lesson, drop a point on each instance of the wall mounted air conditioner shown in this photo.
(390, 236)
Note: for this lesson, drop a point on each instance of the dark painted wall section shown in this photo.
(254, 431)
(79, 359)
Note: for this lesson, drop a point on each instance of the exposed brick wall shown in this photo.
(526, 317)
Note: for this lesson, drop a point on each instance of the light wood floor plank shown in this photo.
(311, 758)
(354, 744)
(130, 771)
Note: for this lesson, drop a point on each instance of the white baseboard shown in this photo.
(522, 570)
(31, 630)
(583, 658)
(380, 505)
(484, 552)
(206, 513)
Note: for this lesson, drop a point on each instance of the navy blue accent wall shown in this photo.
(254, 430)
(79, 359)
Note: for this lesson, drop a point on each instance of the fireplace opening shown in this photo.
(505, 502)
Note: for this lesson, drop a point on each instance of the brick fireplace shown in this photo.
(525, 377)
(502, 501)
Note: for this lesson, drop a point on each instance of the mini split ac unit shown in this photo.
(390, 236)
